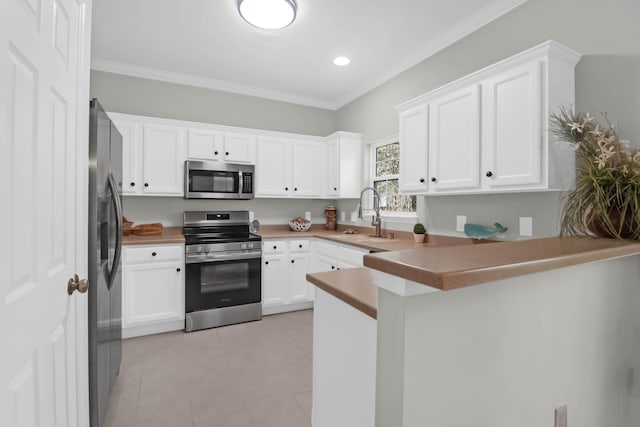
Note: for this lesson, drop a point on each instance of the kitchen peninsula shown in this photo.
(484, 335)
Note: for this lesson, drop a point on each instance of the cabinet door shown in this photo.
(454, 141)
(325, 263)
(131, 155)
(273, 167)
(333, 168)
(205, 144)
(239, 148)
(274, 280)
(307, 166)
(152, 292)
(414, 150)
(512, 135)
(299, 289)
(164, 155)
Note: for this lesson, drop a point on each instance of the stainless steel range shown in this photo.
(223, 269)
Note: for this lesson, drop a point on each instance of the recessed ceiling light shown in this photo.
(341, 61)
(268, 14)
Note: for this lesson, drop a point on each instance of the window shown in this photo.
(385, 173)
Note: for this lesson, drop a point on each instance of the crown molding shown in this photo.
(469, 25)
(204, 82)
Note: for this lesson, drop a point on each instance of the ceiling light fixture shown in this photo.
(341, 61)
(268, 14)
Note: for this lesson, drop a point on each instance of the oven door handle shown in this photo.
(221, 257)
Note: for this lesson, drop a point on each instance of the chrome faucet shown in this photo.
(376, 221)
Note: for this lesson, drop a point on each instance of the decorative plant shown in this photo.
(606, 199)
(419, 229)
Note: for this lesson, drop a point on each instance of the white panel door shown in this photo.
(299, 289)
(307, 166)
(164, 156)
(273, 167)
(414, 150)
(454, 141)
(274, 280)
(43, 185)
(512, 135)
(333, 168)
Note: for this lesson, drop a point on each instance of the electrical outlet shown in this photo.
(342, 216)
(561, 416)
(307, 216)
(354, 216)
(526, 226)
(250, 216)
(461, 220)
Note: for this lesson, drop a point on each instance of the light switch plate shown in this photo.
(342, 216)
(461, 220)
(307, 216)
(354, 216)
(526, 226)
(250, 216)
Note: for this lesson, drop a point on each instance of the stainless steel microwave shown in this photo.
(216, 180)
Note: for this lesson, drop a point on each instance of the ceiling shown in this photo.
(206, 43)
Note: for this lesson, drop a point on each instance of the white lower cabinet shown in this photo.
(152, 289)
(336, 256)
(285, 264)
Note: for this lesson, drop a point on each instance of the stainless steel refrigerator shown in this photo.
(105, 249)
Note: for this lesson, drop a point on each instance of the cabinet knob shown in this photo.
(489, 174)
(178, 269)
(295, 189)
(292, 261)
(335, 189)
(275, 247)
(333, 267)
(226, 153)
(433, 179)
(421, 180)
(286, 188)
(215, 152)
(146, 184)
(132, 184)
(300, 246)
(153, 254)
(266, 262)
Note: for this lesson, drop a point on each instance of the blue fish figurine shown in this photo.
(478, 231)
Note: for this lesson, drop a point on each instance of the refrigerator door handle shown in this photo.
(118, 211)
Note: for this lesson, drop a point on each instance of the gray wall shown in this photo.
(607, 79)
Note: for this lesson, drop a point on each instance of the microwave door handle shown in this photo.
(240, 184)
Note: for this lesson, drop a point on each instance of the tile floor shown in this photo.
(255, 374)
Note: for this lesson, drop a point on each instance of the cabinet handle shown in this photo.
(433, 179)
(226, 153)
(132, 184)
(153, 254)
(146, 184)
(215, 152)
(266, 262)
(421, 180)
(489, 174)
(292, 261)
(178, 269)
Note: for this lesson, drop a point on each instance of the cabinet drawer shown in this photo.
(325, 248)
(299, 246)
(154, 253)
(274, 247)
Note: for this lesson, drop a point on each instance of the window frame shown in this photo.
(408, 217)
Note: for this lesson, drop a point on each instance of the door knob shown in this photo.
(75, 284)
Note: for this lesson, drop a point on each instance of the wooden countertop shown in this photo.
(353, 286)
(449, 268)
(169, 235)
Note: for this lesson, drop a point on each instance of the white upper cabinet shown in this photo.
(488, 132)
(204, 144)
(153, 156)
(307, 168)
(239, 148)
(414, 134)
(343, 165)
(163, 160)
(454, 135)
(513, 127)
(273, 167)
